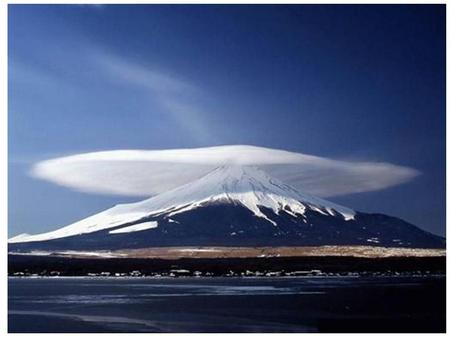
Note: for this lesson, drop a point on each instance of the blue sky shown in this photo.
(346, 82)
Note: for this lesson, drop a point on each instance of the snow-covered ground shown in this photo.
(136, 227)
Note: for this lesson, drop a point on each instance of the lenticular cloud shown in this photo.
(150, 172)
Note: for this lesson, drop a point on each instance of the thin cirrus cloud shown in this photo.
(162, 92)
(150, 172)
(175, 96)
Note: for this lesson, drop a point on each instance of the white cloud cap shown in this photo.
(150, 172)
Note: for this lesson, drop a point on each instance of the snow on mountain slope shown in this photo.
(133, 228)
(244, 185)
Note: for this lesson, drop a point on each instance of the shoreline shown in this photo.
(404, 275)
(227, 267)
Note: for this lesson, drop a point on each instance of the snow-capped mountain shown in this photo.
(231, 206)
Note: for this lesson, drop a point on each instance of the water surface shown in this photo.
(313, 304)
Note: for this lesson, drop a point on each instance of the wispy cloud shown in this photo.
(161, 92)
(173, 95)
(149, 172)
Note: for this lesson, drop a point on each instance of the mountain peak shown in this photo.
(232, 205)
(247, 186)
(254, 188)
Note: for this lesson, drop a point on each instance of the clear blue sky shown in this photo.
(347, 82)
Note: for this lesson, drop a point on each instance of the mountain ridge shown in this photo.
(232, 205)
